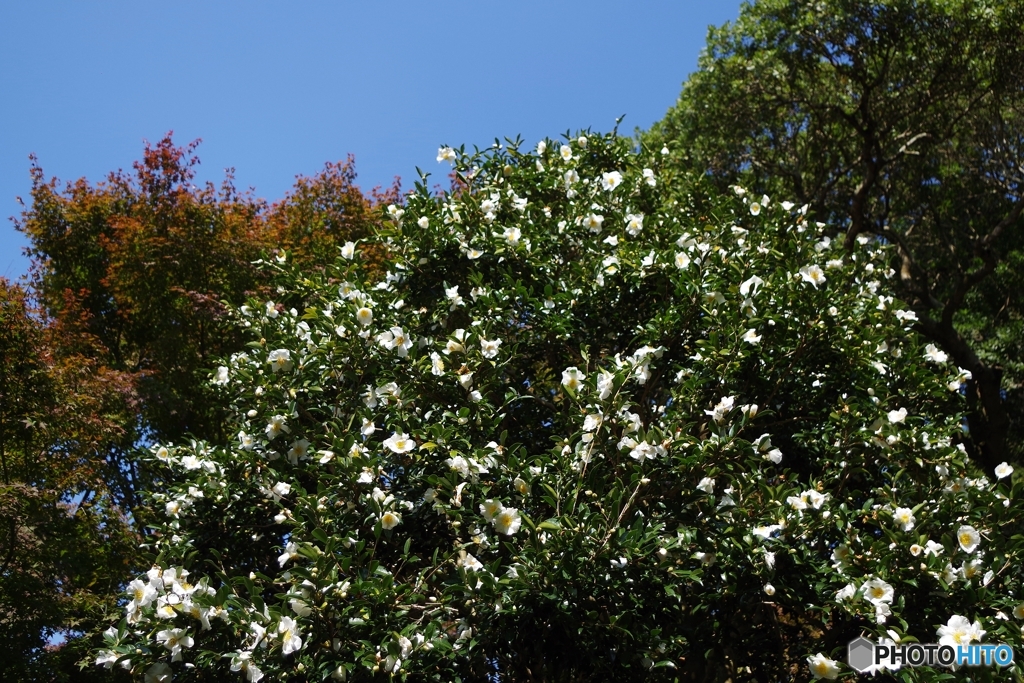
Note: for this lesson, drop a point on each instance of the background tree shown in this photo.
(902, 120)
(64, 542)
(138, 270)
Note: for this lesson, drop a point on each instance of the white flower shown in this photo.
(812, 274)
(932, 353)
(766, 531)
(897, 416)
(751, 336)
(279, 360)
(507, 521)
(490, 507)
(271, 309)
(174, 639)
(468, 562)
(755, 208)
(572, 378)
(846, 593)
(397, 339)
(751, 286)
(969, 538)
(446, 154)
(593, 222)
(348, 251)
(512, 235)
(1003, 470)
(634, 223)
(245, 441)
(722, 409)
(646, 451)
(571, 177)
(489, 349)
(276, 426)
(823, 667)
(242, 661)
(161, 672)
(364, 316)
(289, 632)
(399, 442)
(281, 489)
(619, 563)
(389, 520)
(769, 589)
(436, 364)
(221, 377)
(904, 518)
(707, 485)
(291, 552)
(916, 549)
(876, 590)
(933, 549)
(904, 316)
(682, 259)
(648, 175)
(298, 450)
(566, 151)
(610, 180)
(959, 631)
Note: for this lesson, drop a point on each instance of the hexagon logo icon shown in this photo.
(860, 654)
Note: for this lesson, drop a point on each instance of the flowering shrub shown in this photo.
(578, 431)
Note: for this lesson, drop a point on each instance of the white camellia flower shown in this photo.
(245, 441)
(242, 661)
(823, 667)
(281, 489)
(291, 552)
(750, 287)
(932, 353)
(280, 360)
(648, 176)
(290, 637)
(897, 416)
(489, 349)
(751, 336)
(634, 223)
(682, 260)
(969, 538)
(813, 275)
(446, 154)
(566, 152)
(876, 590)
(389, 520)
(174, 639)
(593, 222)
(221, 377)
(161, 672)
(468, 562)
(769, 589)
(399, 442)
(572, 378)
(490, 507)
(348, 251)
(959, 631)
(276, 426)
(1003, 470)
(610, 180)
(364, 316)
(904, 518)
(707, 485)
(507, 521)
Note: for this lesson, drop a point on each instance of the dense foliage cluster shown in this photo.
(577, 427)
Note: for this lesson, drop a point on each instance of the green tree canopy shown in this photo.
(583, 426)
(902, 120)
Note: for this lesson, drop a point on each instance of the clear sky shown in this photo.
(277, 89)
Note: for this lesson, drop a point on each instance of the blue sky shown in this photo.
(277, 89)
